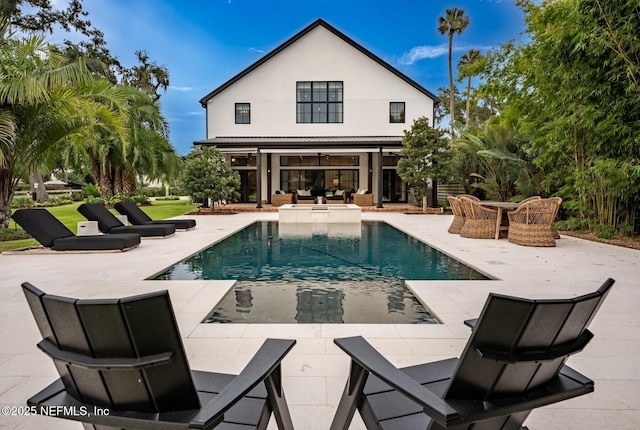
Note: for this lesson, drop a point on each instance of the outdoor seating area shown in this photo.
(498, 378)
(314, 371)
(530, 222)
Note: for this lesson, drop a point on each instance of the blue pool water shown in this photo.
(356, 276)
(379, 251)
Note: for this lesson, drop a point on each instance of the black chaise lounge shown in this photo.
(108, 223)
(512, 363)
(51, 233)
(136, 216)
(122, 362)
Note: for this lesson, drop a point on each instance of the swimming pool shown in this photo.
(375, 251)
(320, 274)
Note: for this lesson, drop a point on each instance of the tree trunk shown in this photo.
(128, 183)
(37, 187)
(7, 191)
(466, 114)
(451, 93)
(117, 181)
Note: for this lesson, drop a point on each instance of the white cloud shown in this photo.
(183, 89)
(258, 51)
(421, 52)
(418, 53)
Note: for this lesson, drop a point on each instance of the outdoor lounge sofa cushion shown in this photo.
(108, 223)
(51, 233)
(136, 216)
(124, 357)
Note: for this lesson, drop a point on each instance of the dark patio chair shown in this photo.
(123, 362)
(512, 363)
(51, 233)
(136, 216)
(109, 224)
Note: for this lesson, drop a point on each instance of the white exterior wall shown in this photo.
(318, 56)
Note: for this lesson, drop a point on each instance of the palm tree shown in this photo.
(454, 21)
(38, 107)
(464, 65)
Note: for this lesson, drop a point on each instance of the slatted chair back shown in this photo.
(518, 346)
(122, 354)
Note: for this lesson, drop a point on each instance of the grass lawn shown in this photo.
(70, 217)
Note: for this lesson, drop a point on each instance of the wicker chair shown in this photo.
(282, 199)
(362, 199)
(480, 222)
(532, 223)
(458, 215)
(469, 196)
(558, 201)
(528, 199)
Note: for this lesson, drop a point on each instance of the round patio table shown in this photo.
(500, 206)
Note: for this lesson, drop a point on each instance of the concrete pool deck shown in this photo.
(315, 371)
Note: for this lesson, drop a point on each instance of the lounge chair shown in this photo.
(109, 224)
(513, 363)
(123, 362)
(51, 233)
(136, 216)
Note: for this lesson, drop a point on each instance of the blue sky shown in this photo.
(204, 43)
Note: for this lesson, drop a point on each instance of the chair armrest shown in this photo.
(263, 363)
(471, 323)
(87, 362)
(550, 354)
(366, 356)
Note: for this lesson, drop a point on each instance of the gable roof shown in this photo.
(306, 30)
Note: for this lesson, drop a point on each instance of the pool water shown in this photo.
(379, 251)
(357, 276)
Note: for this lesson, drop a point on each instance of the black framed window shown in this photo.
(243, 113)
(396, 112)
(319, 102)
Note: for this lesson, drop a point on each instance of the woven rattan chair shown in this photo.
(363, 199)
(281, 199)
(458, 215)
(469, 196)
(480, 222)
(532, 223)
(558, 202)
(528, 199)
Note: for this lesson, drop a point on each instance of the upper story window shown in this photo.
(396, 112)
(243, 113)
(319, 102)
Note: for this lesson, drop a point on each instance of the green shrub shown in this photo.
(90, 190)
(56, 201)
(573, 224)
(13, 234)
(168, 198)
(22, 202)
(606, 232)
(94, 199)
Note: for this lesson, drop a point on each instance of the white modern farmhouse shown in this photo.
(318, 117)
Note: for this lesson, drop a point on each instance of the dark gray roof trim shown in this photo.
(284, 142)
(295, 38)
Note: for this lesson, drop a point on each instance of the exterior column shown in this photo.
(380, 178)
(258, 178)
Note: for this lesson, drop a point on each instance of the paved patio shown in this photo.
(315, 371)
